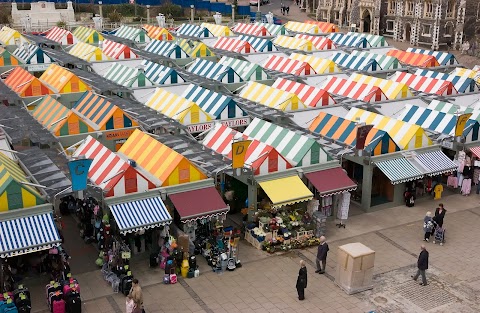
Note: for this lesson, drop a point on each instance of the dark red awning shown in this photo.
(331, 181)
(198, 204)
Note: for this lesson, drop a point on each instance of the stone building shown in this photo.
(43, 13)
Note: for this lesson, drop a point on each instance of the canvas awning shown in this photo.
(399, 170)
(331, 181)
(285, 191)
(476, 151)
(434, 163)
(199, 204)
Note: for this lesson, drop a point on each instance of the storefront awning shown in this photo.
(433, 163)
(28, 234)
(140, 214)
(476, 151)
(285, 191)
(331, 181)
(399, 170)
(198, 204)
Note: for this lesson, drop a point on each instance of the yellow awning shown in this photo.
(285, 191)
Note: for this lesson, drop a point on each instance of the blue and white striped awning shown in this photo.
(434, 163)
(140, 214)
(28, 234)
(259, 44)
(399, 170)
(215, 71)
(166, 48)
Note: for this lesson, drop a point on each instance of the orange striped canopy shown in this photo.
(62, 80)
(25, 84)
(324, 27)
(414, 59)
(158, 33)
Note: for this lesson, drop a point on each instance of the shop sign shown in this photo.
(118, 134)
(234, 122)
(37, 67)
(126, 255)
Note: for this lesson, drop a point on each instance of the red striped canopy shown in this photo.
(234, 45)
(425, 84)
(287, 65)
(354, 90)
(311, 96)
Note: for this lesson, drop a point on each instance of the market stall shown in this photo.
(323, 27)
(158, 33)
(246, 70)
(218, 30)
(391, 89)
(117, 50)
(294, 43)
(319, 42)
(87, 35)
(160, 74)
(62, 36)
(271, 97)
(309, 95)
(341, 39)
(273, 29)
(7, 59)
(61, 80)
(192, 30)
(298, 27)
(384, 61)
(215, 71)
(195, 49)
(319, 65)
(443, 58)
(134, 34)
(425, 84)
(414, 59)
(25, 84)
(462, 84)
(88, 52)
(259, 44)
(288, 65)
(353, 90)
(375, 41)
(233, 45)
(355, 62)
(11, 37)
(251, 29)
(167, 49)
(127, 76)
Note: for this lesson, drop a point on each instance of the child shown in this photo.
(130, 304)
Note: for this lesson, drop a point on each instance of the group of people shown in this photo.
(134, 302)
(321, 263)
(284, 9)
(430, 223)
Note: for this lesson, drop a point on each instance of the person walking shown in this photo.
(422, 265)
(302, 280)
(322, 255)
(137, 296)
(427, 226)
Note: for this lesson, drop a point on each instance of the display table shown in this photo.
(355, 264)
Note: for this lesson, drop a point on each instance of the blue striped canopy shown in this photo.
(259, 44)
(444, 58)
(462, 84)
(166, 48)
(435, 163)
(160, 74)
(215, 71)
(349, 41)
(194, 31)
(355, 62)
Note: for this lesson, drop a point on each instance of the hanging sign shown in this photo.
(239, 150)
(461, 122)
(78, 172)
(362, 133)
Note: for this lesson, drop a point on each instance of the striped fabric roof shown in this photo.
(353, 90)
(287, 65)
(373, 40)
(355, 62)
(251, 29)
(294, 43)
(298, 149)
(349, 41)
(217, 105)
(127, 76)
(234, 45)
(425, 84)
(437, 121)
(319, 42)
(319, 65)
(6, 58)
(262, 158)
(414, 59)
(460, 71)
(384, 61)
(391, 89)
(246, 70)
(345, 131)
(131, 33)
(309, 95)
(117, 50)
(10, 37)
(25, 84)
(217, 30)
(61, 80)
(298, 27)
(444, 58)
(88, 52)
(273, 29)
(164, 164)
(160, 74)
(451, 108)
(323, 27)
(158, 33)
(434, 163)
(271, 97)
(32, 54)
(62, 36)
(406, 136)
(194, 31)
(259, 44)
(194, 49)
(110, 172)
(178, 108)
(167, 49)
(399, 170)
(215, 71)
(88, 35)
(462, 84)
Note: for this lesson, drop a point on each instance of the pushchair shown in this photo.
(439, 235)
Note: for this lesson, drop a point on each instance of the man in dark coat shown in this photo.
(322, 255)
(302, 280)
(422, 265)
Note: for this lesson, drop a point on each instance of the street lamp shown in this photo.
(191, 11)
(100, 8)
(259, 14)
(148, 14)
(233, 13)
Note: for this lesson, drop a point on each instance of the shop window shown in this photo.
(390, 26)
(426, 29)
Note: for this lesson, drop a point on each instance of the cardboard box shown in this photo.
(355, 264)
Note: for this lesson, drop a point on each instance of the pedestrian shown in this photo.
(130, 304)
(136, 294)
(427, 226)
(282, 8)
(288, 9)
(322, 255)
(302, 280)
(439, 215)
(422, 265)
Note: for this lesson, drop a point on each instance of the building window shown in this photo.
(391, 7)
(426, 30)
(451, 9)
(409, 8)
(389, 26)
(337, 16)
(428, 9)
(324, 15)
(448, 30)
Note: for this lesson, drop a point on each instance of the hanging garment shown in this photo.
(461, 165)
(344, 205)
(438, 191)
(476, 175)
(461, 156)
(452, 181)
(466, 186)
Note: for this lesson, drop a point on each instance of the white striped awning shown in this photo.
(28, 234)
(140, 214)
(434, 163)
(399, 170)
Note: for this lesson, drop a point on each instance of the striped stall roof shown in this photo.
(100, 113)
(246, 70)
(476, 68)
(217, 105)
(194, 49)
(273, 29)
(215, 71)
(355, 62)
(425, 84)
(87, 35)
(460, 71)
(399, 170)
(88, 52)
(451, 108)
(32, 54)
(251, 29)
(110, 172)
(384, 61)
(194, 31)
(294, 43)
(117, 50)
(323, 27)
(131, 33)
(160, 74)
(434, 163)
(167, 49)
(287, 65)
(374, 40)
(158, 33)
(462, 84)
(406, 136)
(127, 76)
(62, 36)
(164, 164)
(11, 37)
(318, 42)
(298, 149)
(309, 95)
(177, 107)
(259, 44)
(437, 121)
(61, 80)
(6, 58)
(345, 131)
(444, 58)
(218, 30)
(271, 97)
(414, 59)
(391, 89)
(25, 84)
(319, 65)
(299, 27)
(353, 90)
(234, 45)
(350, 41)
(260, 157)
